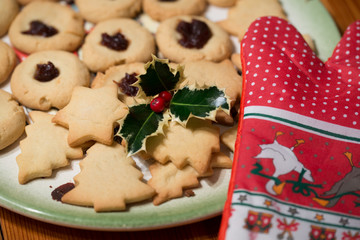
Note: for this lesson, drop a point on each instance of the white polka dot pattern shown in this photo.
(282, 71)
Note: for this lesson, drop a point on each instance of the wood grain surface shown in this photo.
(344, 12)
(17, 227)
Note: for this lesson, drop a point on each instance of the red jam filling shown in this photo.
(125, 84)
(46, 72)
(39, 28)
(116, 42)
(60, 191)
(194, 35)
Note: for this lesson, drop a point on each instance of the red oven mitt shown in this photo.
(296, 172)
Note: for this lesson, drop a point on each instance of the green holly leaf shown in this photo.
(141, 123)
(158, 77)
(201, 103)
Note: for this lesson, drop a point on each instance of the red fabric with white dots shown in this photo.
(296, 172)
(281, 69)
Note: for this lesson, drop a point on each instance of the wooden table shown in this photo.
(15, 226)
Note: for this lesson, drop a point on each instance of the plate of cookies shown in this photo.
(123, 115)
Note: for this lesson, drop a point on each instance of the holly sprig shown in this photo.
(149, 119)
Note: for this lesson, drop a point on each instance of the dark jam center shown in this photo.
(125, 84)
(60, 191)
(116, 42)
(46, 72)
(40, 29)
(194, 34)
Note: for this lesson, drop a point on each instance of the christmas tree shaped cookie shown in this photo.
(91, 115)
(45, 148)
(108, 180)
(169, 182)
(193, 144)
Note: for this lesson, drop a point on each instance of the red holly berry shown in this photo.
(165, 95)
(157, 104)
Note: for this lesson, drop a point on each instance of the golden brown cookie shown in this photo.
(7, 60)
(24, 2)
(309, 41)
(161, 10)
(220, 160)
(169, 181)
(229, 137)
(44, 25)
(8, 11)
(246, 11)
(99, 10)
(117, 41)
(45, 148)
(223, 75)
(200, 139)
(12, 119)
(179, 39)
(236, 60)
(108, 180)
(124, 75)
(91, 115)
(222, 3)
(46, 79)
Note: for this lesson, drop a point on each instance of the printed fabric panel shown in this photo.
(296, 173)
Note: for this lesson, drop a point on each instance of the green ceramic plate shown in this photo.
(34, 199)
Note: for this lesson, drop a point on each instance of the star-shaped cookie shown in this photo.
(91, 114)
(45, 148)
(108, 180)
(246, 11)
